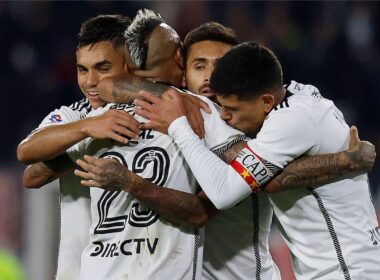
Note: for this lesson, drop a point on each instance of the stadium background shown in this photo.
(334, 45)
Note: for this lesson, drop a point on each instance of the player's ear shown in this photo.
(268, 102)
(179, 58)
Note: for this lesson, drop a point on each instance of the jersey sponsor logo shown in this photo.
(158, 162)
(55, 118)
(107, 223)
(375, 236)
(126, 107)
(253, 169)
(127, 247)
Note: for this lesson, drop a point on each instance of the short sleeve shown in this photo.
(285, 135)
(63, 115)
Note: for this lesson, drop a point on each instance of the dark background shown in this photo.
(333, 45)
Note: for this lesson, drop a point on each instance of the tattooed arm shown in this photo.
(313, 171)
(125, 88)
(173, 205)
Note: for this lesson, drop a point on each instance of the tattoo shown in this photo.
(115, 176)
(232, 152)
(311, 171)
(126, 90)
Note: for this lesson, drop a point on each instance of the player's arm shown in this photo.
(313, 171)
(39, 174)
(173, 205)
(227, 184)
(125, 89)
(51, 141)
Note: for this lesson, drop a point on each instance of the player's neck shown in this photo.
(279, 95)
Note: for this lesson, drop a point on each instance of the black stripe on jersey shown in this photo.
(195, 257)
(256, 230)
(221, 150)
(284, 103)
(333, 235)
(108, 224)
(81, 105)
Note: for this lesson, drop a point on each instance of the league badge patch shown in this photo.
(55, 118)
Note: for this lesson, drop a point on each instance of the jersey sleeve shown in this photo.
(222, 185)
(218, 135)
(63, 115)
(284, 136)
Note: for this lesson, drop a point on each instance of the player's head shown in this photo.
(155, 48)
(248, 83)
(202, 49)
(100, 53)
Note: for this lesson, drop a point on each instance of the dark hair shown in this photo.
(247, 70)
(137, 33)
(103, 28)
(210, 31)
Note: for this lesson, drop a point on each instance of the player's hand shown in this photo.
(113, 124)
(103, 173)
(163, 111)
(362, 154)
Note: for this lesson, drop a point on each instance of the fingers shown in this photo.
(201, 126)
(204, 106)
(143, 113)
(354, 133)
(150, 97)
(354, 138)
(196, 125)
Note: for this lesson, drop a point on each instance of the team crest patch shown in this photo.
(55, 118)
(253, 169)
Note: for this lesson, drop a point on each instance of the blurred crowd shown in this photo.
(333, 45)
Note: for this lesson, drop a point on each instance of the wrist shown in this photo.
(352, 160)
(176, 125)
(85, 127)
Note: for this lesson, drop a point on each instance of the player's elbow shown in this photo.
(199, 221)
(23, 153)
(29, 181)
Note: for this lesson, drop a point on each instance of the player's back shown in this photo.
(128, 240)
(330, 230)
(236, 242)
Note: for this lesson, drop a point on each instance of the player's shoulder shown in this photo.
(299, 98)
(83, 106)
(299, 89)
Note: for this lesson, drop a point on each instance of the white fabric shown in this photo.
(236, 242)
(74, 202)
(305, 124)
(224, 187)
(155, 249)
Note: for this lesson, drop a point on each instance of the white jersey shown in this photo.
(130, 241)
(236, 242)
(332, 231)
(74, 202)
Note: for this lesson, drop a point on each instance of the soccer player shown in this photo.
(248, 255)
(332, 231)
(127, 239)
(100, 53)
